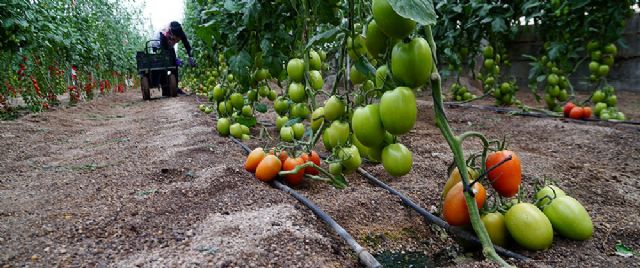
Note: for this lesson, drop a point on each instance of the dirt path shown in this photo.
(121, 182)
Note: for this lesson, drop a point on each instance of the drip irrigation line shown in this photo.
(438, 221)
(363, 255)
(532, 114)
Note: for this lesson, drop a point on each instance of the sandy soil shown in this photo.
(121, 182)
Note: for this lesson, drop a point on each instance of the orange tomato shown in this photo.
(290, 164)
(315, 158)
(586, 112)
(505, 178)
(455, 210)
(576, 113)
(253, 159)
(268, 168)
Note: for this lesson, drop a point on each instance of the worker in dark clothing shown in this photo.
(167, 38)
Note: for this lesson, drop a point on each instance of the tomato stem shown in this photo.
(455, 144)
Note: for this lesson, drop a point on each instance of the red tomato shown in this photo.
(576, 113)
(567, 108)
(455, 210)
(506, 177)
(290, 164)
(586, 112)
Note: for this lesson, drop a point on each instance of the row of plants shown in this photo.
(380, 54)
(54, 47)
(574, 34)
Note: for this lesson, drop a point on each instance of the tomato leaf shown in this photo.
(293, 121)
(325, 37)
(421, 11)
(624, 251)
(364, 66)
(261, 107)
(339, 182)
(247, 121)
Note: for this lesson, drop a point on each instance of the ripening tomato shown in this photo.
(268, 168)
(313, 157)
(496, 227)
(456, 177)
(253, 159)
(290, 164)
(506, 177)
(455, 210)
(529, 227)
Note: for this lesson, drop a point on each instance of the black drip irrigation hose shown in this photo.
(365, 257)
(532, 114)
(458, 232)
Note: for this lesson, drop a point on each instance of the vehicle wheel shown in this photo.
(144, 85)
(173, 85)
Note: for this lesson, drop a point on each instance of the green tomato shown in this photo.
(247, 111)
(333, 108)
(323, 55)
(335, 169)
(286, 134)
(295, 70)
(252, 95)
(351, 159)
(620, 116)
(296, 92)
(612, 101)
(592, 45)
(600, 106)
(218, 93)
(397, 160)
(553, 79)
(298, 130)
(596, 55)
(237, 101)
(245, 129)
(398, 110)
(564, 95)
(569, 218)
(603, 70)
(496, 227)
(281, 121)
(367, 125)
(487, 52)
(272, 95)
(315, 63)
(236, 130)
(261, 74)
(335, 135)
(505, 88)
(357, 47)
(548, 191)
(392, 24)
(554, 91)
(245, 137)
(300, 110)
(605, 115)
(281, 106)
(529, 227)
(363, 150)
(263, 91)
(315, 80)
(376, 40)
(222, 126)
(608, 60)
(317, 117)
(611, 49)
(488, 64)
(356, 76)
(411, 63)
(598, 96)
